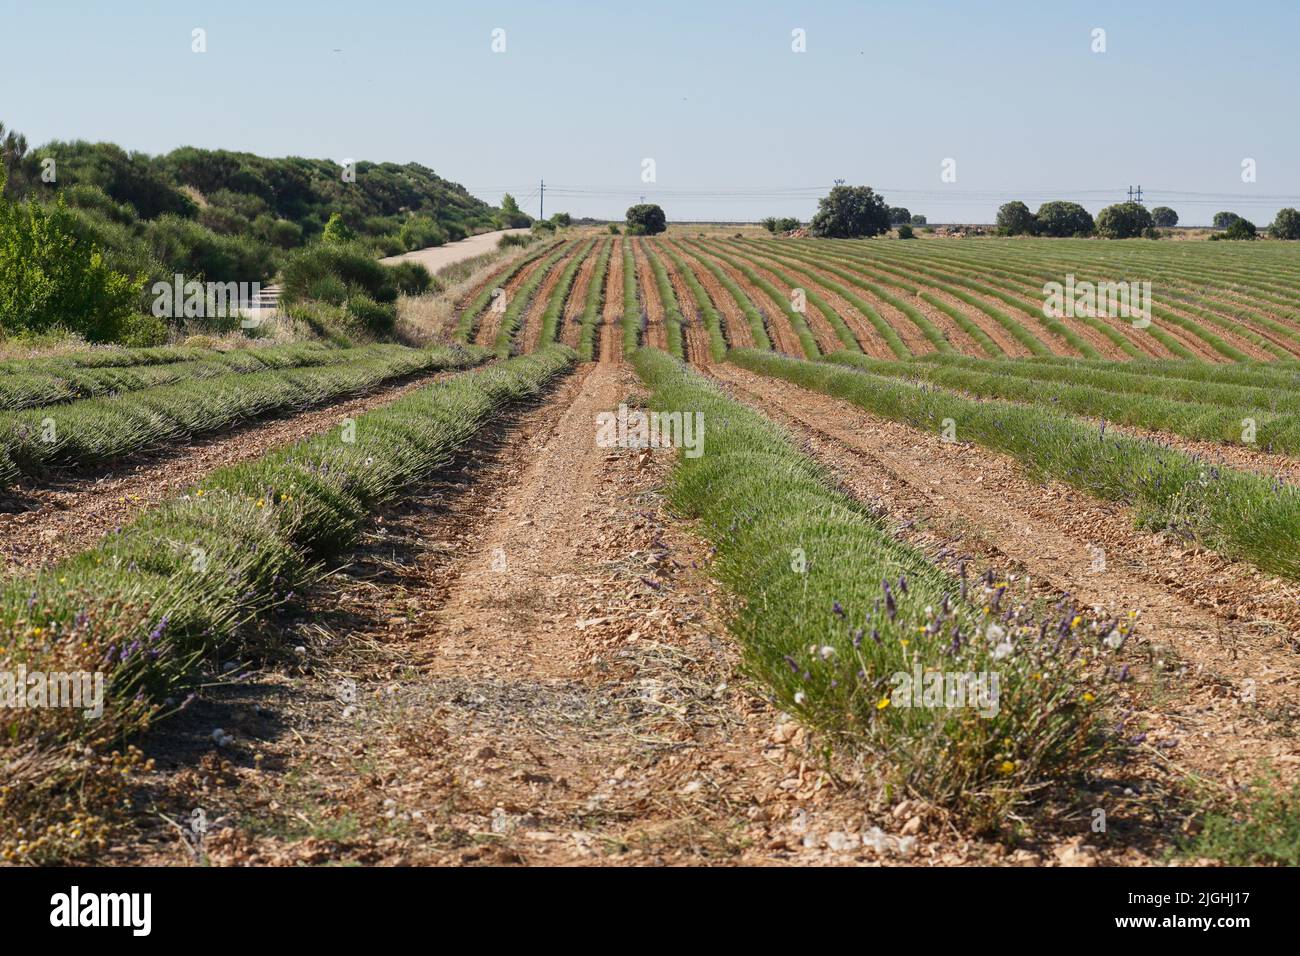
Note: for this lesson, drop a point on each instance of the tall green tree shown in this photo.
(1015, 219)
(646, 219)
(1124, 220)
(850, 212)
(1164, 217)
(1286, 225)
(1059, 218)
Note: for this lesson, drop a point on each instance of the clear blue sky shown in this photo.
(738, 125)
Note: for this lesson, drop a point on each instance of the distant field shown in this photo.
(1214, 302)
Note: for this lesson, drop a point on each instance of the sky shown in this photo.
(736, 124)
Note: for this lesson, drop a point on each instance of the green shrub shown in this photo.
(905, 232)
(1063, 219)
(375, 318)
(1262, 829)
(196, 252)
(835, 608)
(336, 230)
(514, 239)
(411, 278)
(614, 230)
(50, 279)
(1286, 225)
(1015, 219)
(350, 263)
(327, 288)
(1238, 229)
(512, 217)
(850, 212)
(420, 232)
(646, 219)
(331, 323)
(1164, 217)
(1123, 220)
(281, 233)
(142, 331)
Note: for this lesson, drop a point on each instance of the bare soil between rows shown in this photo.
(69, 511)
(538, 675)
(1214, 660)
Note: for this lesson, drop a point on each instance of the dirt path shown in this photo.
(39, 526)
(539, 676)
(435, 257)
(1217, 639)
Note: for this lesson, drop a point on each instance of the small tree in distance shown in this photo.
(1241, 229)
(512, 217)
(1164, 217)
(1015, 219)
(1058, 218)
(1222, 220)
(918, 219)
(899, 215)
(1286, 225)
(850, 212)
(336, 230)
(1124, 220)
(646, 219)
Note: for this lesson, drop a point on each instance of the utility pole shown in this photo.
(1139, 194)
(541, 199)
(840, 182)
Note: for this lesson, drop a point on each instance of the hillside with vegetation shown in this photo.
(126, 220)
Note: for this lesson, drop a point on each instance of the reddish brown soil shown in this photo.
(529, 335)
(654, 334)
(695, 336)
(779, 330)
(912, 337)
(863, 331)
(571, 323)
(69, 514)
(735, 329)
(538, 679)
(609, 344)
(489, 322)
(822, 331)
(1211, 632)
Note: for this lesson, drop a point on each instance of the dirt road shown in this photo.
(539, 674)
(435, 257)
